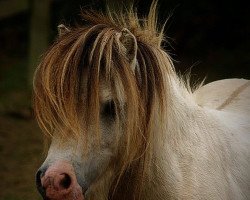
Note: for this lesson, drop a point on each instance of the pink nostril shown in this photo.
(65, 182)
(60, 182)
(56, 182)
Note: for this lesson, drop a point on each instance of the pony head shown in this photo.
(99, 92)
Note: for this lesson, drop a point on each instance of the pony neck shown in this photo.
(181, 110)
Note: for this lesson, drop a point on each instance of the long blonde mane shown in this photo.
(92, 50)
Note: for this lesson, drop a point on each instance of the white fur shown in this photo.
(206, 152)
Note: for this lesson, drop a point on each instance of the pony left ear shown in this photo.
(62, 29)
(129, 42)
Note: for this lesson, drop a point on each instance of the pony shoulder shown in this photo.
(231, 95)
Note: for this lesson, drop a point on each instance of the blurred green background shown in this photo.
(209, 37)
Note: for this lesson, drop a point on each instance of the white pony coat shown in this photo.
(207, 145)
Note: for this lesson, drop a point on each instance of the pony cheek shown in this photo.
(93, 168)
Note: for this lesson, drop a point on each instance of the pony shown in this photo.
(122, 125)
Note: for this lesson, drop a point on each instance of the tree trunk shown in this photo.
(12, 7)
(39, 33)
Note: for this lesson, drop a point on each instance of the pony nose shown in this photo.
(58, 182)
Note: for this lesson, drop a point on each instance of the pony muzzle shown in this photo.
(59, 182)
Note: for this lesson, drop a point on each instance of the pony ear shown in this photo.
(129, 42)
(62, 29)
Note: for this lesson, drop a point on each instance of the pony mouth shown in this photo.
(79, 194)
(85, 191)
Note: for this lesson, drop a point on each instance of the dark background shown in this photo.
(210, 38)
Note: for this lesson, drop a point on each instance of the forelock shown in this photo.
(67, 81)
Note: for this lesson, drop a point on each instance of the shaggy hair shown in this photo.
(89, 54)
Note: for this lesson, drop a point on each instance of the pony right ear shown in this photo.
(129, 42)
(62, 29)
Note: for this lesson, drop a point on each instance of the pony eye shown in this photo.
(109, 109)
